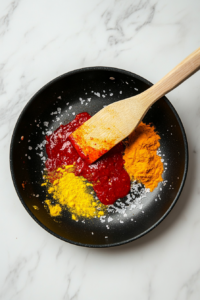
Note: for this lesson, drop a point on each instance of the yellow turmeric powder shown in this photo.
(35, 207)
(72, 193)
(141, 160)
(54, 210)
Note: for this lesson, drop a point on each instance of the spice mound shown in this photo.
(72, 192)
(141, 159)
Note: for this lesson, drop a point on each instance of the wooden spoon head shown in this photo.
(107, 128)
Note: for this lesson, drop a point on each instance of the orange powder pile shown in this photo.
(141, 160)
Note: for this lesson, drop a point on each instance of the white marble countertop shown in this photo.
(42, 39)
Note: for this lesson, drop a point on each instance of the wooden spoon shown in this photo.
(116, 121)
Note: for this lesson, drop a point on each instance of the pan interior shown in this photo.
(89, 90)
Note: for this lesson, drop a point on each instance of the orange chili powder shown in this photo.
(141, 159)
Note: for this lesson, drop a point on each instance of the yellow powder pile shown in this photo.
(72, 193)
(141, 160)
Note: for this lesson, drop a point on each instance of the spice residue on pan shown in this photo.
(35, 207)
(69, 176)
(96, 178)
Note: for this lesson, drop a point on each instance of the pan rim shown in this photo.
(82, 70)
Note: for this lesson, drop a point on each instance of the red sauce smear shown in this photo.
(108, 176)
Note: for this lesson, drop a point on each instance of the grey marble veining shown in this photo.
(41, 40)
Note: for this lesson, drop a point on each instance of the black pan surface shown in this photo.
(57, 102)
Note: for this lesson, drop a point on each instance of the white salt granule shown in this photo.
(102, 219)
(46, 124)
(48, 132)
(70, 107)
(97, 94)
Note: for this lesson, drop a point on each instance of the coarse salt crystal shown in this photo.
(97, 94)
(46, 124)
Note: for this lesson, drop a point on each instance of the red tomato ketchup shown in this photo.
(108, 176)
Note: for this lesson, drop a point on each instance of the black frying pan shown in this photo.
(27, 166)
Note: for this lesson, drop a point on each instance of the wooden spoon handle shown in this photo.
(181, 72)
